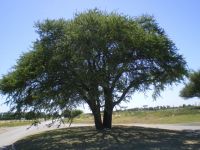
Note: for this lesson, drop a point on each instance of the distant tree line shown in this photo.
(17, 116)
(164, 107)
(33, 115)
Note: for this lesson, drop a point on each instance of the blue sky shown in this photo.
(179, 18)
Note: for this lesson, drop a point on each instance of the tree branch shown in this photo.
(116, 79)
(123, 94)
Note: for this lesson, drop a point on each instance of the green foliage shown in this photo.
(26, 115)
(7, 116)
(72, 113)
(192, 89)
(96, 58)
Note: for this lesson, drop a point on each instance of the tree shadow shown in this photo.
(120, 137)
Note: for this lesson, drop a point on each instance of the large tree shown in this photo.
(96, 58)
(192, 89)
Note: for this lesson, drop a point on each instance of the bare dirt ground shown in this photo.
(12, 134)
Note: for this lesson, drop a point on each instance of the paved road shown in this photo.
(10, 135)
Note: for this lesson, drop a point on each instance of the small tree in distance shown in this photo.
(192, 89)
(96, 58)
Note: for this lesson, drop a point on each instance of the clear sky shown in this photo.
(179, 18)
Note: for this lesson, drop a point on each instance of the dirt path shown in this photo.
(179, 127)
(10, 135)
(2, 130)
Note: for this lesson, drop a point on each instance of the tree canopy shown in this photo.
(192, 89)
(97, 58)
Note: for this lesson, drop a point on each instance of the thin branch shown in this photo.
(116, 79)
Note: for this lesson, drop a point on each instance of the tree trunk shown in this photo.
(95, 108)
(108, 110)
(107, 119)
(97, 120)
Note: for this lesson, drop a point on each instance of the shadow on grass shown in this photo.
(120, 137)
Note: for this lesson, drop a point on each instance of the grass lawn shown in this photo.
(14, 123)
(119, 138)
(168, 116)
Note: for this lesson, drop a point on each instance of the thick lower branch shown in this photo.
(123, 95)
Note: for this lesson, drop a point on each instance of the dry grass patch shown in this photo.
(168, 116)
(14, 123)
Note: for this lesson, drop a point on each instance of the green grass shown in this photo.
(14, 123)
(168, 116)
(119, 138)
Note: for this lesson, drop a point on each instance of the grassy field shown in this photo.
(167, 116)
(14, 123)
(119, 138)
